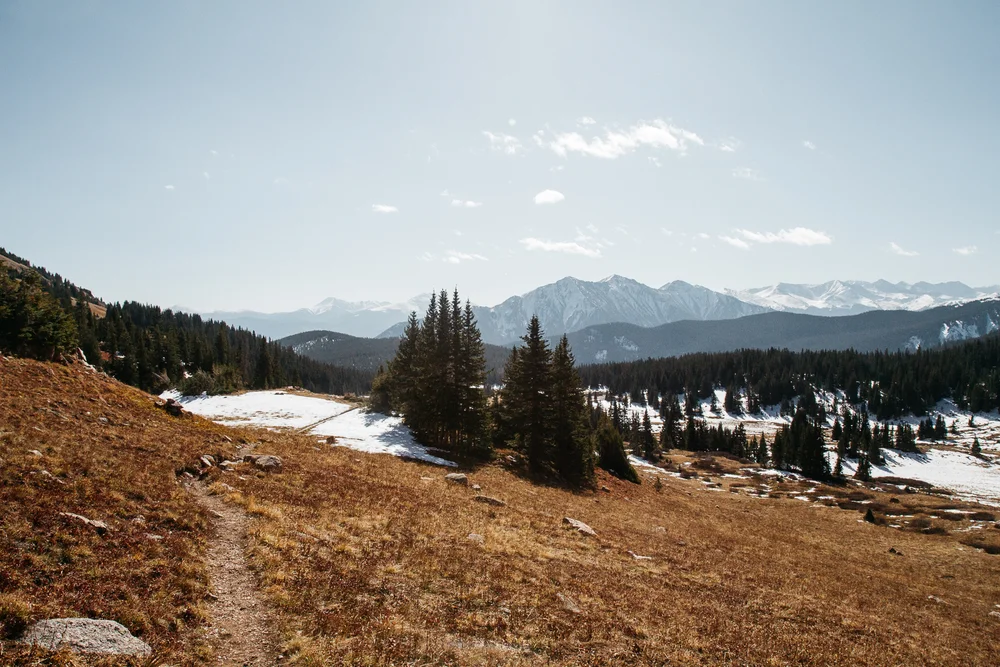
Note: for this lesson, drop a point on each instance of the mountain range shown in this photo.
(571, 304)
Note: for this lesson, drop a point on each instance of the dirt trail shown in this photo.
(242, 629)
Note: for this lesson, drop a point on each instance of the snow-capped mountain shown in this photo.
(571, 304)
(850, 297)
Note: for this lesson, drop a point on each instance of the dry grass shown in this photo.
(103, 451)
(367, 560)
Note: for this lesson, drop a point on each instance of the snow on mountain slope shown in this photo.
(850, 297)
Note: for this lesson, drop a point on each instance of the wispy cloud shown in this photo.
(747, 174)
(730, 145)
(568, 247)
(168, 187)
(384, 208)
(966, 250)
(456, 257)
(504, 143)
(895, 248)
(558, 167)
(736, 242)
(808, 144)
(703, 235)
(459, 203)
(512, 122)
(655, 161)
(549, 197)
(586, 120)
(616, 143)
(214, 152)
(206, 175)
(796, 236)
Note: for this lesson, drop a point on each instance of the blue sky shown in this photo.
(252, 155)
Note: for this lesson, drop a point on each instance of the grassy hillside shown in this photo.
(367, 559)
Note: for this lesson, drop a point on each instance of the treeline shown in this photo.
(436, 382)
(887, 384)
(151, 348)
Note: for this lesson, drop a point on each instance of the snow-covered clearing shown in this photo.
(321, 417)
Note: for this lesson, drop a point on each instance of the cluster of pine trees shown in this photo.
(889, 384)
(43, 315)
(436, 381)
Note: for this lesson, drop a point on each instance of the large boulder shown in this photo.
(85, 635)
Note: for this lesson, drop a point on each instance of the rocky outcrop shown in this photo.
(98, 526)
(580, 526)
(265, 462)
(457, 478)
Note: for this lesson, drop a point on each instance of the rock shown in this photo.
(173, 408)
(426, 479)
(34, 452)
(331, 440)
(638, 557)
(934, 598)
(568, 604)
(476, 487)
(265, 462)
(155, 538)
(99, 526)
(476, 537)
(894, 500)
(870, 516)
(207, 461)
(605, 489)
(227, 438)
(893, 550)
(579, 526)
(995, 614)
(85, 635)
(457, 478)
(103, 420)
(496, 502)
(660, 529)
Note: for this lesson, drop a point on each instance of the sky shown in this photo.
(265, 156)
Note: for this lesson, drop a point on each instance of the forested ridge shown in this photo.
(43, 315)
(889, 384)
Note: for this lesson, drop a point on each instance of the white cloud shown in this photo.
(586, 120)
(808, 144)
(967, 250)
(894, 247)
(549, 197)
(206, 175)
(214, 152)
(655, 161)
(569, 247)
(558, 167)
(383, 208)
(730, 145)
(504, 143)
(736, 242)
(168, 187)
(615, 143)
(747, 174)
(456, 257)
(795, 236)
(666, 232)
(512, 122)
(458, 203)
(426, 257)
(703, 235)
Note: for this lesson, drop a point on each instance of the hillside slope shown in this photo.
(369, 559)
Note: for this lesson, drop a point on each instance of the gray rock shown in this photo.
(496, 502)
(476, 537)
(568, 604)
(638, 557)
(265, 462)
(99, 526)
(579, 526)
(34, 452)
(207, 461)
(457, 478)
(85, 635)
(476, 487)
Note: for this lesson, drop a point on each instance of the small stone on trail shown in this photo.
(490, 501)
(457, 478)
(568, 604)
(579, 526)
(85, 635)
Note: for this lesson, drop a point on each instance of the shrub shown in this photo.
(197, 384)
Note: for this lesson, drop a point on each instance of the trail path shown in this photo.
(242, 630)
(309, 427)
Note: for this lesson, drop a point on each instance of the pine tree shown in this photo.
(574, 453)
(611, 452)
(527, 398)
(977, 449)
(649, 448)
(762, 453)
(864, 471)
